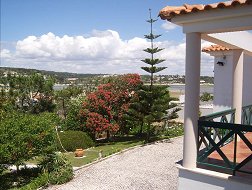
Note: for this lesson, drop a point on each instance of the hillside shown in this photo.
(60, 76)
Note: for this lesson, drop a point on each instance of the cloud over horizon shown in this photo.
(100, 52)
(168, 26)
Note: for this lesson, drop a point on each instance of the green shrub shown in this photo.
(205, 97)
(25, 179)
(175, 130)
(74, 139)
(24, 136)
(2, 168)
(59, 169)
(40, 181)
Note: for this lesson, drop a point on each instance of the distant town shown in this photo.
(90, 81)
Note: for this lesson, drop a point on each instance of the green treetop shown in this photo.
(152, 68)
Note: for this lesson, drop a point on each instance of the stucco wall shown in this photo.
(223, 82)
(247, 81)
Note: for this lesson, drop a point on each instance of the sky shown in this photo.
(91, 36)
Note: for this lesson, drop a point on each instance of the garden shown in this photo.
(38, 140)
(44, 134)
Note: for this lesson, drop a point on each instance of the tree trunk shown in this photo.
(17, 166)
(141, 128)
(148, 133)
(63, 107)
(108, 135)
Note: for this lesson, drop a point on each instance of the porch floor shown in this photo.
(243, 151)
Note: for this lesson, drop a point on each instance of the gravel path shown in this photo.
(147, 167)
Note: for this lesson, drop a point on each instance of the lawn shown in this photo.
(119, 144)
(107, 149)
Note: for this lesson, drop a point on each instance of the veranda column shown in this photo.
(192, 92)
(237, 84)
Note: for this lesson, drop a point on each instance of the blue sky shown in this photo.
(29, 25)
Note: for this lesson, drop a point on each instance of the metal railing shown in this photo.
(218, 130)
(227, 116)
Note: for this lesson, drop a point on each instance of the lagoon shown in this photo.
(181, 88)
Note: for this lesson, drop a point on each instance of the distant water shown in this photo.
(177, 88)
(181, 88)
(59, 86)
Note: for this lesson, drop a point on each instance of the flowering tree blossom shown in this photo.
(103, 109)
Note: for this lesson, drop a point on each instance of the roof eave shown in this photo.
(207, 15)
(217, 20)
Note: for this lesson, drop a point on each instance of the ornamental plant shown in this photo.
(103, 109)
(205, 97)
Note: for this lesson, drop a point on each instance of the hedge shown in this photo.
(72, 140)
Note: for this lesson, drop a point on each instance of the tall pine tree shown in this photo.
(154, 99)
(152, 68)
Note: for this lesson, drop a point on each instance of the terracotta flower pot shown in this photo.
(79, 152)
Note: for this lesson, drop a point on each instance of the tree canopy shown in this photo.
(29, 93)
(103, 109)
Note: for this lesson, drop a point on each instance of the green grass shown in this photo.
(118, 144)
(77, 162)
(107, 149)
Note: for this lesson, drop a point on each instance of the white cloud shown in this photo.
(101, 52)
(5, 54)
(168, 26)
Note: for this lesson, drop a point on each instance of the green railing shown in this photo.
(218, 130)
(227, 116)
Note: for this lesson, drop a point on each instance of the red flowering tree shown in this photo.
(124, 89)
(104, 109)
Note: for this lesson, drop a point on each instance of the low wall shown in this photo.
(200, 179)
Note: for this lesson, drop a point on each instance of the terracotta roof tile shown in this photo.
(215, 48)
(167, 13)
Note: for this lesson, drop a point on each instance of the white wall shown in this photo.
(223, 81)
(189, 180)
(247, 81)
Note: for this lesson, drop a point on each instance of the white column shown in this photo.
(192, 92)
(238, 84)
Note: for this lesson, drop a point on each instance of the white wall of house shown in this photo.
(223, 81)
(247, 81)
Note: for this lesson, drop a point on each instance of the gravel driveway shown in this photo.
(146, 167)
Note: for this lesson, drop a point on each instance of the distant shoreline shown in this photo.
(179, 84)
